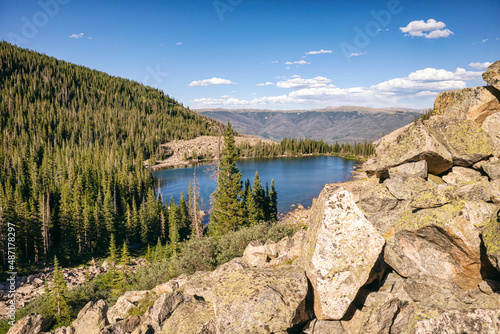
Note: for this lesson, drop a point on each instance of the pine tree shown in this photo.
(125, 256)
(227, 214)
(58, 300)
(113, 252)
(259, 196)
(173, 220)
(273, 202)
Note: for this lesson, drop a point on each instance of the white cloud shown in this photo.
(90, 37)
(298, 82)
(480, 66)
(417, 90)
(429, 29)
(484, 40)
(356, 54)
(225, 96)
(274, 62)
(80, 35)
(295, 76)
(179, 43)
(210, 82)
(432, 74)
(269, 83)
(318, 52)
(429, 79)
(380, 29)
(297, 62)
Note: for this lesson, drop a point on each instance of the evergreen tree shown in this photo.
(184, 228)
(113, 251)
(227, 214)
(125, 256)
(173, 220)
(58, 300)
(259, 196)
(273, 203)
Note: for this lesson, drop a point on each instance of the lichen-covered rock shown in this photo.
(260, 300)
(91, 318)
(417, 169)
(31, 324)
(493, 170)
(123, 326)
(123, 305)
(195, 315)
(408, 144)
(316, 326)
(474, 103)
(464, 176)
(377, 198)
(464, 139)
(477, 321)
(434, 197)
(340, 250)
(492, 75)
(255, 254)
(491, 126)
(162, 308)
(491, 239)
(441, 244)
(433, 179)
(405, 187)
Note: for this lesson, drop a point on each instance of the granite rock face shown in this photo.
(474, 104)
(492, 75)
(341, 249)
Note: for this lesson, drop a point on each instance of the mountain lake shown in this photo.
(297, 180)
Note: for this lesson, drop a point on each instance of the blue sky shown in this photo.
(270, 54)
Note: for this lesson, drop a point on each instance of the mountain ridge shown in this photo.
(339, 124)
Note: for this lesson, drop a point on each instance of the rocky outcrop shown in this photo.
(339, 253)
(474, 104)
(92, 318)
(124, 304)
(492, 75)
(33, 323)
(260, 300)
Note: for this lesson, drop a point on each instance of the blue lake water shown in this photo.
(297, 180)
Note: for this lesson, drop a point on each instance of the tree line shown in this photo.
(306, 146)
(72, 146)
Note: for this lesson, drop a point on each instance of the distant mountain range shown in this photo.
(349, 123)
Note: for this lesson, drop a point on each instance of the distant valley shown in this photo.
(330, 124)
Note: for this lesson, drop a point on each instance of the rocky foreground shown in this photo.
(413, 247)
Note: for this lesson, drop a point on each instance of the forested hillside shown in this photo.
(72, 146)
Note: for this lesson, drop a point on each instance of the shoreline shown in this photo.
(165, 164)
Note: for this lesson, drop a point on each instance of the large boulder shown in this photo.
(124, 304)
(491, 239)
(31, 324)
(123, 326)
(474, 103)
(492, 75)
(260, 300)
(162, 308)
(435, 320)
(441, 244)
(411, 143)
(194, 315)
(464, 139)
(91, 318)
(339, 252)
(491, 126)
